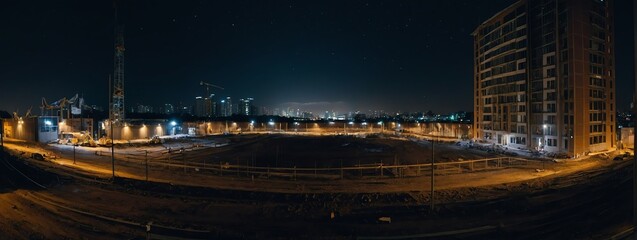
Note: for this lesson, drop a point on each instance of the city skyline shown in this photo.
(310, 61)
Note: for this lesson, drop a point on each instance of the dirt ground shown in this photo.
(81, 201)
(329, 151)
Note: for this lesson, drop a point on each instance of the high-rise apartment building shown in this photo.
(225, 108)
(247, 107)
(544, 76)
(168, 109)
(204, 107)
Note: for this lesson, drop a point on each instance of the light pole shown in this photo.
(146, 165)
(74, 153)
(173, 125)
(183, 158)
(112, 150)
(544, 127)
(344, 129)
(432, 173)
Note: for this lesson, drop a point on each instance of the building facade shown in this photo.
(247, 107)
(204, 107)
(33, 129)
(544, 76)
(226, 107)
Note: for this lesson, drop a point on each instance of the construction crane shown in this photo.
(74, 104)
(208, 85)
(17, 117)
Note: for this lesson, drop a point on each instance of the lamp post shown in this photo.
(544, 127)
(344, 129)
(112, 150)
(74, 145)
(432, 174)
(146, 164)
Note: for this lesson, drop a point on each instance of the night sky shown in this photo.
(314, 55)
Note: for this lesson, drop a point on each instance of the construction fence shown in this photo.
(179, 161)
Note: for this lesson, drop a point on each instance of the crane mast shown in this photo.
(117, 108)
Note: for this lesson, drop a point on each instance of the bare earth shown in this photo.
(80, 202)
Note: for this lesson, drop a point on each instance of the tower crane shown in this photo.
(208, 85)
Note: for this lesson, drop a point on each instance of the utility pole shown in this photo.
(432, 174)
(112, 151)
(146, 165)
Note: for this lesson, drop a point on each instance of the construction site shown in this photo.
(288, 185)
(67, 173)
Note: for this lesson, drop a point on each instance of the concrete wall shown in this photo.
(76, 125)
(453, 130)
(130, 132)
(22, 130)
(34, 129)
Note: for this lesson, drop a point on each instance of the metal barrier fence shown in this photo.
(371, 170)
(176, 160)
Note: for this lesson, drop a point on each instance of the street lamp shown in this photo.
(112, 149)
(273, 124)
(432, 174)
(173, 124)
(146, 157)
(544, 127)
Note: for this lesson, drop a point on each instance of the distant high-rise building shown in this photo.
(246, 106)
(265, 111)
(225, 107)
(544, 76)
(143, 109)
(168, 108)
(308, 115)
(203, 107)
(185, 109)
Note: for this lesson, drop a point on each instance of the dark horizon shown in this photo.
(340, 56)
